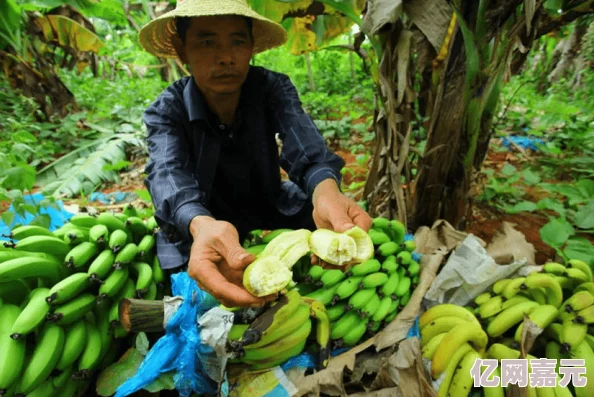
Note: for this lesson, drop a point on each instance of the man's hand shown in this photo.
(217, 262)
(335, 211)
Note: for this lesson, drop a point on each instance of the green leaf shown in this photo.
(587, 186)
(20, 178)
(67, 33)
(556, 232)
(8, 217)
(24, 137)
(580, 248)
(144, 195)
(142, 343)
(551, 204)
(530, 177)
(43, 220)
(508, 170)
(528, 206)
(584, 218)
(117, 373)
(163, 382)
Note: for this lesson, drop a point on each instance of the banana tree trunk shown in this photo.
(569, 54)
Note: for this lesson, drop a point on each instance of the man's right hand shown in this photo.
(217, 262)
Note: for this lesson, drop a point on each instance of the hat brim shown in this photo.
(157, 36)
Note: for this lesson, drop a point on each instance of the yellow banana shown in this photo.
(318, 311)
(446, 309)
(278, 347)
(288, 326)
(499, 286)
(491, 307)
(500, 352)
(509, 317)
(542, 316)
(581, 265)
(439, 326)
(280, 358)
(462, 381)
(460, 334)
(583, 351)
(578, 301)
(429, 348)
(572, 334)
(554, 292)
(514, 287)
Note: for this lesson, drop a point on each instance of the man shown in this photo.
(214, 168)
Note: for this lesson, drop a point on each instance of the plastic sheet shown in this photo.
(177, 349)
(525, 142)
(113, 198)
(57, 217)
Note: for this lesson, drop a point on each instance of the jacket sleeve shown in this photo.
(304, 154)
(174, 189)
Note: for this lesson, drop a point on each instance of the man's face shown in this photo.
(218, 50)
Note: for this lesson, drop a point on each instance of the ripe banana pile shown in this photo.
(59, 297)
(363, 299)
(559, 300)
(281, 332)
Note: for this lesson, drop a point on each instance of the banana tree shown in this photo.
(37, 38)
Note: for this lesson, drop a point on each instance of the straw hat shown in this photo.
(156, 36)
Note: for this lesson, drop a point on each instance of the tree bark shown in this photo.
(569, 54)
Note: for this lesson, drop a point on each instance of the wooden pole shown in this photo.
(138, 315)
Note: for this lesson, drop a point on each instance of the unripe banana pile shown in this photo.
(559, 300)
(353, 303)
(59, 297)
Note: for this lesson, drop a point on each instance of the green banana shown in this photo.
(390, 286)
(383, 309)
(117, 239)
(324, 295)
(83, 220)
(32, 314)
(273, 318)
(25, 267)
(75, 341)
(73, 310)
(514, 287)
(332, 277)
(515, 300)
(355, 334)
(482, 298)
(158, 273)
(577, 275)
(578, 301)
(144, 277)
(581, 265)
(91, 354)
(585, 316)
(509, 317)
(499, 286)
(374, 280)
(151, 292)
(126, 255)
(315, 273)
(572, 334)
(360, 298)
(47, 244)
(409, 245)
(45, 389)
(13, 351)
(398, 231)
(364, 268)
(542, 316)
(273, 234)
(63, 377)
(137, 226)
(389, 265)
(76, 235)
(235, 333)
(8, 254)
(371, 307)
(44, 358)
(346, 288)
(152, 224)
(61, 231)
(99, 235)
(583, 351)
(145, 246)
(554, 292)
(21, 232)
(101, 265)
(387, 249)
(554, 268)
(14, 292)
(113, 283)
(404, 258)
(378, 237)
(68, 288)
(414, 269)
(111, 221)
(334, 312)
(491, 307)
(344, 324)
(403, 287)
(582, 287)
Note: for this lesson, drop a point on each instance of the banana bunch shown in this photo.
(59, 298)
(559, 300)
(363, 299)
(281, 332)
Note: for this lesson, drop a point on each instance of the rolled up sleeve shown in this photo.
(174, 188)
(304, 155)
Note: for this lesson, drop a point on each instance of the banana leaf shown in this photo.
(68, 33)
